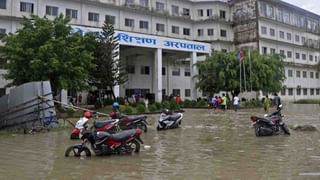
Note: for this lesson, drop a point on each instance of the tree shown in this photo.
(109, 71)
(47, 50)
(221, 72)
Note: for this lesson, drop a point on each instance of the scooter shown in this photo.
(104, 143)
(169, 120)
(271, 124)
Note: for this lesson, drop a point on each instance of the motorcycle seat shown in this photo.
(100, 124)
(102, 135)
(123, 135)
(133, 118)
(174, 117)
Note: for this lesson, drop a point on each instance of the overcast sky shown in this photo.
(310, 5)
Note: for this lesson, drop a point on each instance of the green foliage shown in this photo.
(193, 103)
(166, 104)
(308, 101)
(202, 103)
(186, 103)
(120, 100)
(152, 108)
(98, 104)
(141, 108)
(158, 105)
(110, 70)
(220, 72)
(70, 112)
(47, 50)
(107, 101)
(173, 105)
(126, 109)
(251, 104)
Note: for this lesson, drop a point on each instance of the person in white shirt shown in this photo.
(236, 103)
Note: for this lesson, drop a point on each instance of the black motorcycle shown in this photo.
(271, 124)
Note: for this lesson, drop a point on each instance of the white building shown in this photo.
(167, 36)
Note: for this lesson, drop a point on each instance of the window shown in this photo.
(263, 30)
(175, 10)
(144, 3)
(223, 33)
(304, 74)
(129, 22)
(224, 50)
(145, 70)
(290, 91)
(283, 92)
(289, 73)
(298, 91)
(289, 36)
(272, 51)
(209, 12)
(282, 52)
(303, 56)
(26, 7)
(311, 91)
(175, 29)
(160, 27)
(222, 14)
(129, 2)
(303, 39)
(2, 32)
(315, 58)
(210, 32)
(163, 93)
(311, 75)
(51, 10)
(187, 72)
(297, 55)
(186, 12)
(175, 92)
(187, 92)
(176, 71)
(298, 74)
(264, 50)
(72, 13)
(93, 17)
(186, 31)
(200, 12)
(163, 71)
(297, 38)
(281, 34)
(317, 91)
(305, 91)
(310, 58)
(144, 25)
(3, 4)
(289, 54)
(131, 69)
(159, 7)
(110, 19)
(317, 75)
(200, 32)
(272, 32)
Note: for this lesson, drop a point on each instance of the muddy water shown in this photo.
(210, 145)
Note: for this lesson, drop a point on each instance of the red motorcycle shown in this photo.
(104, 143)
(130, 122)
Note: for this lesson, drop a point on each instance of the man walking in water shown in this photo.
(224, 102)
(236, 103)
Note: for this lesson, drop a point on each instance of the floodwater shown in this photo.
(210, 145)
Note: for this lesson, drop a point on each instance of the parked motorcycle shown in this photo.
(271, 124)
(130, 122)
(104, 143)
(169, 120)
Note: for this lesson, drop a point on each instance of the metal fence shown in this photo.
(22, 107)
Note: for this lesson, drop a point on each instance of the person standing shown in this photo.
(266, 103)
(224, 102)
(236, 103)
(277, 100)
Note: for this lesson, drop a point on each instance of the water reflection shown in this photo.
(210, 145)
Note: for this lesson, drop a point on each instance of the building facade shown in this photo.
(270, 26)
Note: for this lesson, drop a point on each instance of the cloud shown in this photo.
(310, 5)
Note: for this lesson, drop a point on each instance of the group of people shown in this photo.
(267, 102)
(218, 102)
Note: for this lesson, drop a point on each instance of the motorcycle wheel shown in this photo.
(158, 128)
(285, 129)
(257, 130)
(77, 151)
(134, 146)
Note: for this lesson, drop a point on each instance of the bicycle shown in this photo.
(46, 124)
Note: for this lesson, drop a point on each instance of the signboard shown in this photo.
(150, 41)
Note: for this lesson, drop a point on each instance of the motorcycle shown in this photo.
(169, 120)
(104, 143)
(130, 122)
(271, 124)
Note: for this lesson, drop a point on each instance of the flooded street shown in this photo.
(210, 145)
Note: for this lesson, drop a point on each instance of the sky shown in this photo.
(310, 5)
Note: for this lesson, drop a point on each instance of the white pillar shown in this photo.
(158, 75)
(194, 71)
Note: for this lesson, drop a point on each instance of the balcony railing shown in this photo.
(137, 6)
